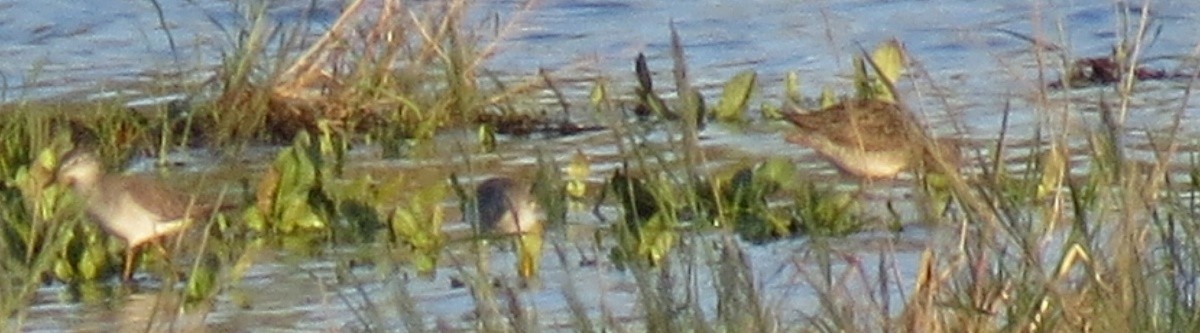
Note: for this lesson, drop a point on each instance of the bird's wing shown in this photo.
(168, 203)
(870, 125)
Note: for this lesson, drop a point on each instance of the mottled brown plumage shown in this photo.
(869, 138)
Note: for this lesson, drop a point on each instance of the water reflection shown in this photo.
(975, 72)
(154, 312)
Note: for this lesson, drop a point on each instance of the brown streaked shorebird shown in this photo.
(870, 139)
(137, 210)
(506, 207)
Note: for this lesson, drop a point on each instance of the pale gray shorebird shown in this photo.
(870, 139)
(137, 210)
(505, 206)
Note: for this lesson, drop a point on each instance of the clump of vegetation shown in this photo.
(377, 74)
(647, 231)
(416, 227)
(291, 197)
(1063, 242)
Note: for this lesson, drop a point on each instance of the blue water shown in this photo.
(965, 72)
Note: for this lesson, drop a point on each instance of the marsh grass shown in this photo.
(388, 73)
(1015, 270)
(1071, 239)
(1077, 245)
(30, 242)
(1100, 242)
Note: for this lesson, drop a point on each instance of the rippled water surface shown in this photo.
(967, 70)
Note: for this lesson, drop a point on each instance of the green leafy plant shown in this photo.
(648, 231)
(736, 95)
(740, 200)
(291, 197)
(416, 224)
(818, 211)
(875, 77)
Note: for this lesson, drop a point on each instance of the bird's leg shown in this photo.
(127, 274)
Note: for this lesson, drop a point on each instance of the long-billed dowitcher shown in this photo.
(869, 138)
(506, 207)
(135, 209)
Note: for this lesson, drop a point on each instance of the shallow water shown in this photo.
(967, 72)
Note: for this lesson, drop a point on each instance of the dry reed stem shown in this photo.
(307, 68)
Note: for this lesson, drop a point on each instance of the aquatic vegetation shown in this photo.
(487, 138)
(577, 173)
(80, 250)
(875, 76)
(649, 103)
(1051, 237)
(290, 197)
(42, 236)
(690, 106)
(416, 225)
(1114, 68)
(515, 115)
(818, 211)
(27, 165)
(731, 108)
(551, 188)
(49, 237)
(647, 232)
(116, 134)
(529, 253)
(741, 200)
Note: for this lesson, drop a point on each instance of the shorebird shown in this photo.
(137, 210)
(870, 139)
(505, 207)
